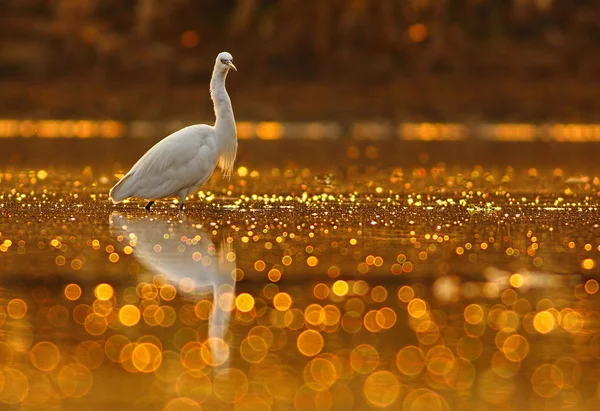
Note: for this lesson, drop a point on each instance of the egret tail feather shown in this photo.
(121, 190)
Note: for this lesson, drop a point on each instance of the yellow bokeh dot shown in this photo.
(129, 315)
(75, 380)
(410, 360)
(44, 356)
(312, 261)
(588, 264)
(310, 343)
(381, 388)
(146, 357)
(544, 322)
(282, 301)
(113, 257)
(104, 292)
(16, 308)
(340, 288)
(72, 292)
(516, 280)
(417, 308)
(244, 302)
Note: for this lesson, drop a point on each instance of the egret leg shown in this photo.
(182, 196)
(149, 205)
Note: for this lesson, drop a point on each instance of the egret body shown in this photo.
(182, 162)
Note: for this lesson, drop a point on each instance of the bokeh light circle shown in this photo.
(381, 388)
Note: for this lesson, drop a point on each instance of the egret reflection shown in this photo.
(186, 255)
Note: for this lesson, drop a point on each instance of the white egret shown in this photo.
(182, 162)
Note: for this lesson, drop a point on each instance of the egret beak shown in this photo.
(230, 64)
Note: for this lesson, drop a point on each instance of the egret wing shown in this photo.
(179, 161)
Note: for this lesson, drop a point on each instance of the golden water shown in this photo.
(286, 289)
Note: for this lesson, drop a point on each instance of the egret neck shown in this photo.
(225, 122)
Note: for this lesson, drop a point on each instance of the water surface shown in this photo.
(292, 288)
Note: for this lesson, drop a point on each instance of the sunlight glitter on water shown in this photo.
(288, 289)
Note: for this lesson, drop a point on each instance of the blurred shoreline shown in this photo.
(440, 98)
(326, 155)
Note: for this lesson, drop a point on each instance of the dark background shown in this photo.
(340, 60)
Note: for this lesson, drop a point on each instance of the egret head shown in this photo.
(225, 61)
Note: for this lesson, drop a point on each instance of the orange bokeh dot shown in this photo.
(244, 302)
(103, 292)
(381, 388)
(168, 292)
(364, 358)
(72, 292)
(310, 343)
(114, 345)
(191, 356)
(340, 288)
(410, 360)
(515, 347)
(75, 380)
(282, 301)
(189, 39)
(16, 308)
(417, 308)
(146, 357)
(129, 315)
(44, 356)
(15, 386)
